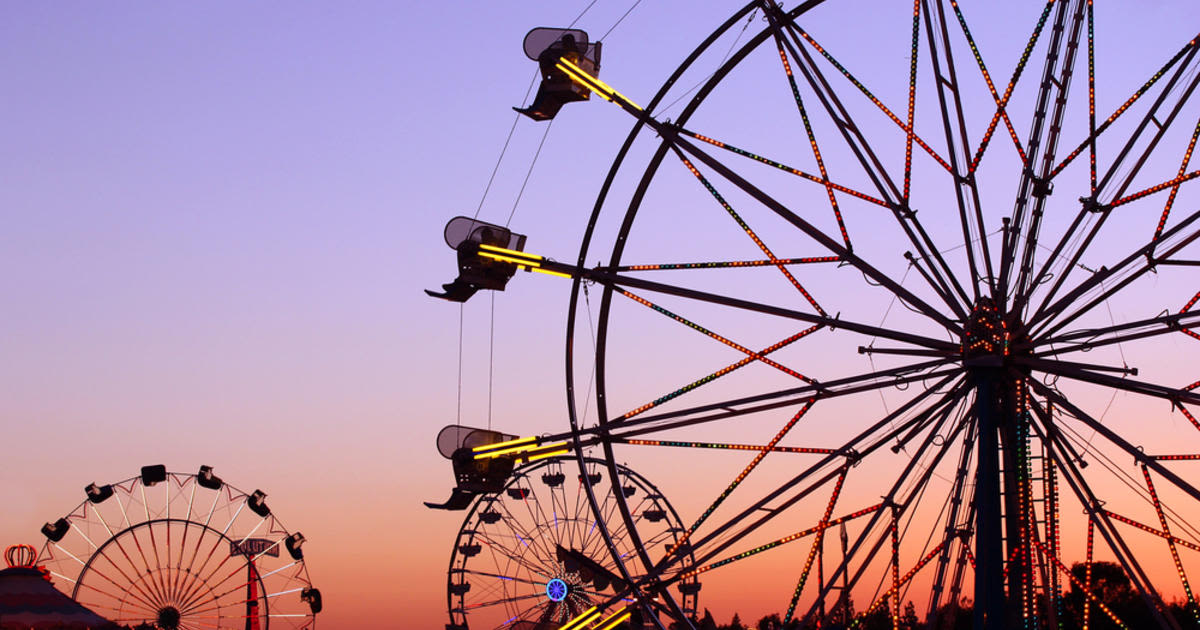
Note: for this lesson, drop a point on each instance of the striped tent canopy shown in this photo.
(28, 601)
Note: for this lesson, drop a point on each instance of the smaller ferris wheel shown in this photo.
(181, 551)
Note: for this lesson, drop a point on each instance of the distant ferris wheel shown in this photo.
(181, 552)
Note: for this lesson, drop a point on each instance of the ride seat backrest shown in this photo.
(456, 436)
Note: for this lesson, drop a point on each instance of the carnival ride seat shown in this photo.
(548, 46)
(472, 477)
(477, 272)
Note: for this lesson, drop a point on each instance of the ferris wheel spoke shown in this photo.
(1048, 318)
(958, 512)
(504, 601)
(1139, 456)
(896, 506)
(682, 144)
(499, 576)
(1049, 310)
(1108, 530)
(824, 181)
(970, 211)
(616, 280)
(732, 344)
(1056, 82)
(1188, 50)
(1000, 101)
(715, 375)
(1172, 394)
(812, 138)
(1161, 126)
(537, 515)
(936, 413)
(534, 563)
(205, 582)
(500, 544)
(1084, 340)
(903, 213)
(726, 409)
(749, 231)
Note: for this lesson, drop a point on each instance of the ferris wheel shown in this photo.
(181, 551)
(938, 299)
(530, 554)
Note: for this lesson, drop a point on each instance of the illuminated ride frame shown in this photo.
(1025, 228)
(529, 554)
(181, 551)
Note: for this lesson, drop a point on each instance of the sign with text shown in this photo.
(254, 547)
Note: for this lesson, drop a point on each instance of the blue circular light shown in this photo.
(556, 590)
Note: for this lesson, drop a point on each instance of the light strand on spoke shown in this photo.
(728, 263)
(1187, 158)
(1090, 597)
(1162, 521)
(718, 374)
(784, 167)
(730, 447)
(781, 541)
(741, 476)
(1001, 102)
(1174, 183)
(1091, 24)
(1187, 331)
(901, 582)
(912, 98)
(812, 139)
(732, 344)
(1087, 588)
(1150, 530)
(1124, 106)
(816, 546)
(749, 232)
(884, 108)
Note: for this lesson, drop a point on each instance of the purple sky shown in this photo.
(218, 219)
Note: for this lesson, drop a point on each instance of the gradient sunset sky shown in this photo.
(219, 218)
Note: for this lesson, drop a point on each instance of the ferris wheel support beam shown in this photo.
(904, 214)
(1091, 503)
(1028, 187)
(990, 603)
(899, 506)
(824, 320)
(824, 462)
(1162, 325)
(1056, 79)
(1039, 326)
(953, 520)
(955, 127)
(1092, 204)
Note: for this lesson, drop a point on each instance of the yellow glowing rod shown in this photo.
(487, 447)
(609, 625)
(583, 618)
(527, 265)
(592, 83)
(510, 252)
(534, 458)
(506, 451)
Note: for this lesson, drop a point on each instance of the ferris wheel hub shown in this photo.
(987, 339)
(169, 618)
